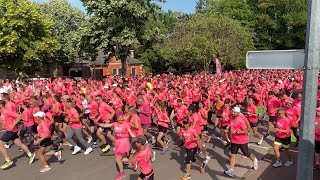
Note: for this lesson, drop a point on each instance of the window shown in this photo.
(133, 71)
(114, 72)
(119, 72)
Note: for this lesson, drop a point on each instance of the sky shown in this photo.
(186, 6)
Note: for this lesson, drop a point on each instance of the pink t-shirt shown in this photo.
(145, 108)
(44, 129)
(136, 131)
(163, 119)
(143, 159)
(73, 113)
(238, 124)
(293, 115)
(273, 104)
(93, 108)
(181, 113)
(11, 106)
(9, 117)
(121, 130)
(317, 129)
(189, 135)
(27, 117)
(105, 112)
(225, 116)
(195, 119)
(252, 110)
(202, 113)
(283, 124)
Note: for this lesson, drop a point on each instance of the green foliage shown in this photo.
(197, 41)
(67, 23)
(26, 37)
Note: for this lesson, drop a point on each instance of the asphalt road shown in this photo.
(167, 167)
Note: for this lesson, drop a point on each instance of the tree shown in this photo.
(197, 41)
(27, 39)
(67, 23)
(117, 26)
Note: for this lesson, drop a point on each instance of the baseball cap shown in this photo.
(39, 114)
(139, 139)
(236, 109)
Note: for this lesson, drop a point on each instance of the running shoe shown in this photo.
(76, 150)
(89, 150)
(59, 155)
(316, 166)
(31, 158)
(6, 164)
(186, 176)
(89, 139)
(6, 145)
(153, 158)
(164, 151)
(277, 164)
(106, 148)
(255, 164)
(260, 141)
(45, 169)
(266, 135)
(120, 176)
(229, 172)
(94, 145)
(153, 140)
(209, 139)
(288, 163)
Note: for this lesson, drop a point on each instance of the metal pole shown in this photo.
(310, 84)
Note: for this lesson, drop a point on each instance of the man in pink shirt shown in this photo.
(272, 107)
(239, 140)
(9, 120)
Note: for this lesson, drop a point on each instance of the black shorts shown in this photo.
(149, 176)
(163, 129)
(254, 124)
(9, 136)
(58, 119)
(244, 149)
(190, 155)
(284, 141)
(46, 142)
(224, 127)
(179, 125)
(273, 118)
(205, 128)
(106, 129)
(317, 147)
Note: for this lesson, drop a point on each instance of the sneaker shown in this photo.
(153, 156)
(153, 140)
(89, 150)
(59, 155)
(224, 143)
(6, 164)
(76, 150)
(45, 169)
(266, 135)
(31, 158)
(120, 176)
(255, 164)
(95, 145)
(164, 151)
(260, 141)
(288, 163)
(106, 148)
(203, 166)
(277, 164)
(6, 145)
(89, 139)
(229, 172)
(186, 176)
(316, 166)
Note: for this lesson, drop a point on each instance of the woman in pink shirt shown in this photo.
(203, 113)
(28, 122)
(225, 122)
(252, 116)
(317, 140)
(135, 122)
(162, 121)
(293, 114)
(122, 144)
(43, 138)
(283, 137)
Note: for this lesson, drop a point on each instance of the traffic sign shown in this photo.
(276, 59)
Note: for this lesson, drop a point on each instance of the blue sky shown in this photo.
(187, 6)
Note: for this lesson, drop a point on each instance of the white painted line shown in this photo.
(262, 147)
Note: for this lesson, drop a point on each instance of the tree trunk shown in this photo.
(124, 61)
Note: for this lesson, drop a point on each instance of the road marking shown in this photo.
(262, 147)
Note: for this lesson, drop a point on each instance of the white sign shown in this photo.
(275, 59)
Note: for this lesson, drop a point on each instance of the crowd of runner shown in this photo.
(133, 116)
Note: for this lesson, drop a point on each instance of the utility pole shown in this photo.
(310, 88)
